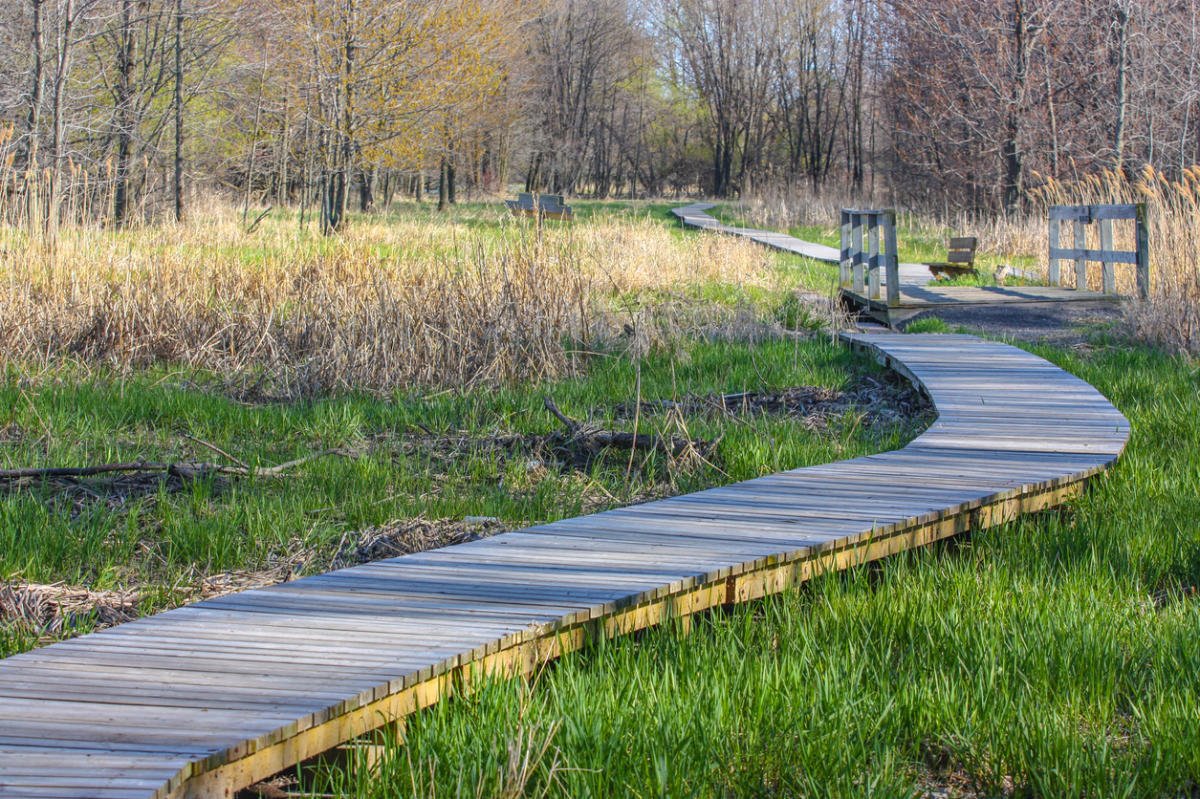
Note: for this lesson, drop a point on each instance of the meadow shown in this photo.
(406, 364)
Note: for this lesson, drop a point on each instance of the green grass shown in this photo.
(158, 540)
(929, 324)
(1058, 655)
(1028, 660)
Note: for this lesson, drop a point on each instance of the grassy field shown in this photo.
(1055, 656)
(430, 447)
(410, 359)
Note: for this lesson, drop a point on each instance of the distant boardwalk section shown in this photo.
(696, 215)
(206, 699)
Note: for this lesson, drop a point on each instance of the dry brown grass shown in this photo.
(1171, 316)
(385, 305)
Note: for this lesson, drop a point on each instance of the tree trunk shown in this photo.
(1122, 28)
(124, 115)
(33, 118)
(366, 190)
(442, 188)
(1053, 118)
(178, 187)
(65, 24)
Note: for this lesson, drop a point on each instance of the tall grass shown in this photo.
(1171, 316)
(393, 302)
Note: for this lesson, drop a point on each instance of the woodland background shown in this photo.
(124, 110)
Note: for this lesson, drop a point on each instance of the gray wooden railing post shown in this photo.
(844, 263)
(892, 259)
(1142, 232)
(1081, 283)
(873, 257)
(856, 251)
(1053, 274)
(1108, 275)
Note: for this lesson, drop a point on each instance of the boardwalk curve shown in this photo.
(204, 699)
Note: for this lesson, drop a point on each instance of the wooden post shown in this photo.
(1054, 275)
(1080, 227)
(844, 263)
(1108, 275)
(856, 254)
(892, 259)
(1142, 232)
(873, 256)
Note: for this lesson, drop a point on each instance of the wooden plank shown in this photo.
(1103, 255)
(856, 253)
(844, 260)
(892, 264)
(1054, 274)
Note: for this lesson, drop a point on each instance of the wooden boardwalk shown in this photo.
(202, 700)
(696, 216)
(918, 299)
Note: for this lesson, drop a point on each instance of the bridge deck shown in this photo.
(205, 699)
(917, 299)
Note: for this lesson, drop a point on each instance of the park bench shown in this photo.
(960, 258)
(547, 206)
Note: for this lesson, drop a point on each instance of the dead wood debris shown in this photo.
(184, 470)
(49, 609)
(403, 536)
(882, 402)
(586, 441)
(115, 485)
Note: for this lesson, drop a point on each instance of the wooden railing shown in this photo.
(860, 265)
(1081, 217)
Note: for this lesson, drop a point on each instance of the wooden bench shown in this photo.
(960, 258)
(547, 206)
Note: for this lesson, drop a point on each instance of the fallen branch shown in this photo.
(254, 225)
(182, 469)
(594, 439)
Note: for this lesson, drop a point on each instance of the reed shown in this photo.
(396, 301)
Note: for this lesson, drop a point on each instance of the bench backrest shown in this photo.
(962, 250)
(548, 203)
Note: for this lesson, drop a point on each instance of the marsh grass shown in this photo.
(418, 454)
(397, 301)
(1058, 655)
